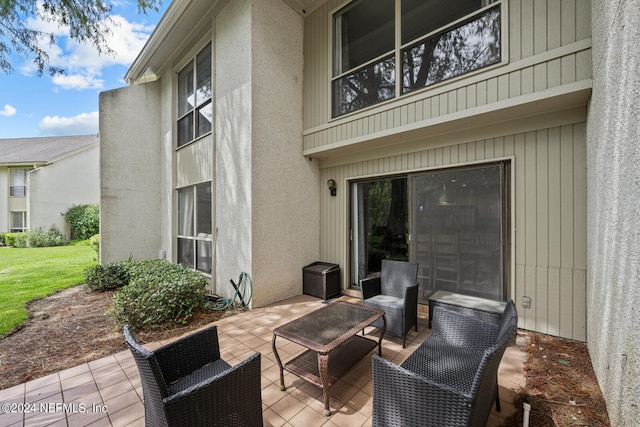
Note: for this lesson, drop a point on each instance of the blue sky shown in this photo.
(33, 106)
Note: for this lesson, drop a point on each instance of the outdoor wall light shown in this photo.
(332, 186)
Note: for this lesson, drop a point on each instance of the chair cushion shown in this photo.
(438, 360)
(196, 377)
(384, 301)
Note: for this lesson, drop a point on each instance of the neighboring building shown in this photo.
(481, 139)
(41, 178)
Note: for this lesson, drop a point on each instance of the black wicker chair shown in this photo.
(186, 383)
(395, 292)
(451, 379)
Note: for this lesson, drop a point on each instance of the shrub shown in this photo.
(10, 238)
(158, 293)
(84, 221)
(2, 239)
(106, 277)
(39, 238)
(20, 240)
(94, 241)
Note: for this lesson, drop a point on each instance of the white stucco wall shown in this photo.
(53, 189)
(131, 173)
(4, 198)
(613, 244)
(233, 204)
(267, 193)
(286, 190)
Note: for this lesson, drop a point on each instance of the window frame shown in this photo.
(400, 48)
(12, 184)
(191, 115)
(197, 236)
(13, 228)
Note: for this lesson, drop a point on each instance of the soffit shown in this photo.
(304, 7)
(173, 34)
(179, 27)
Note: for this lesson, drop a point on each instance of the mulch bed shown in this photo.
(69, 328)
(561, 385)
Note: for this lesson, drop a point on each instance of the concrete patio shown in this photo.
(107, 391)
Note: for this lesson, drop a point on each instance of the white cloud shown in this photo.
(82, 124)
(7, 111)
(78, 81)
(81, 61)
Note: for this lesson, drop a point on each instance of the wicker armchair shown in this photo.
(395, 292)
(450, 380)
(186, 383)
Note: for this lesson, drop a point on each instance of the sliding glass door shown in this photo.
(452, 222)
(379, 225)
(457, 228)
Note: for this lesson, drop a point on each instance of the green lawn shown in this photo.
(32, 273)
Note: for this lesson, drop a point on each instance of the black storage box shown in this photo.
(321, 279)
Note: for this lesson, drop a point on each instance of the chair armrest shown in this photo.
(233, 395)
(187, 354)
(401, 397)
(370, 287)
(411, 297)
(463, 330)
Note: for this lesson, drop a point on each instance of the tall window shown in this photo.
(195, 109)
(18, 182)
(195, 240)
(18, 222)
(438, 40)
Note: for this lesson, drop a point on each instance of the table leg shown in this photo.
(323, 369)
(275, 352)
(384, 330)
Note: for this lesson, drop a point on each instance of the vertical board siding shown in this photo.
(534, 28)
(549, 204)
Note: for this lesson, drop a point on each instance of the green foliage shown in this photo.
(109, 276)
(39, 238)
(158, 293)
(10, 238)
(20, 241)
(84, 221)
(87, 22)
(94, 242)
(2, 239)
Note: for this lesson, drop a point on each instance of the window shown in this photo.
(195, 109)
(18, 222)
(195, 240)
(18, 182)
(438, 40)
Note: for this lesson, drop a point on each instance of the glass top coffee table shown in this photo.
(330, 335)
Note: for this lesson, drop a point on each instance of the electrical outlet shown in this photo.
(526, 302)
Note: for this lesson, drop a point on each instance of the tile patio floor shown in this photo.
(107, 391)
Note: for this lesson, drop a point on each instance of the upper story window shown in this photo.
(195, 109)
(429, 42)
(18, 185)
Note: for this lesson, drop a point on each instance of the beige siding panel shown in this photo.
(549, 203)
(554, 25)
(540, 26)
(554, 197)
(194, 162)
(579, 201)
(542, 199)
(554, 306)
(568, 14)
(534, 28)
(515, 33)
(526, 29)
